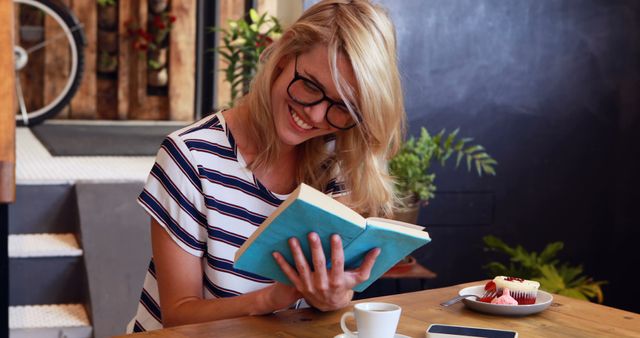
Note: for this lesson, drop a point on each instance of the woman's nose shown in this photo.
(317, 111)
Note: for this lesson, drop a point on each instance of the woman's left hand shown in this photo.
(325, 289)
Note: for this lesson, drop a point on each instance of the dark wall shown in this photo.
(552, 90)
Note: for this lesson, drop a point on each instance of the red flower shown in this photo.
(172, 18)
(158, 23)
(140, 45)
(147, 36)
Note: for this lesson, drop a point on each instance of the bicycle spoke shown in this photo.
(23, 107)
(46, 42)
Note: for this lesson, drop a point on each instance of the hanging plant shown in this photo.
(152, 42)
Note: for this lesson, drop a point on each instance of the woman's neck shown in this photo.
(278, 176)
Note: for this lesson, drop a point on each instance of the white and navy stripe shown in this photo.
(201, 192)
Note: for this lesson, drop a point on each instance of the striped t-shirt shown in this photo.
(201, 192)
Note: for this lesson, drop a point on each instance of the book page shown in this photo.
(315, 197)
(394, 222)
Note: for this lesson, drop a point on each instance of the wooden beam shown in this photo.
(126, 14)
(229, 10)
(83, 104)
(32, 77)
(8, 106)
(57, 61)
(182, 58)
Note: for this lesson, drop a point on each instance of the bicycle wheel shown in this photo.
(49, 58)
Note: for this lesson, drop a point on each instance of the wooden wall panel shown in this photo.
(32, 76)
(83, 104)
(56, 61)
(183, 61)
(126, 13)
(138, 72)
(106, 98)
(229, 10)
(8, 106)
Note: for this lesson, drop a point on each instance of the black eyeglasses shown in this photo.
(307, 93)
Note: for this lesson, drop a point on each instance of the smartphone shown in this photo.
(454, 331)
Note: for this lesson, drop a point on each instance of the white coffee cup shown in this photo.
(373, 320)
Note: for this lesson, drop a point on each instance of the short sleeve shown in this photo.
(173, 196)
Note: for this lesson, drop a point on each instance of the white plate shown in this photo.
(397, 335)
(543, 300)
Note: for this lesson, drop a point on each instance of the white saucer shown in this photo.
(397, 335)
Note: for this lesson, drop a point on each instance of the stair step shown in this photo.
(48, 316)
(43, 245)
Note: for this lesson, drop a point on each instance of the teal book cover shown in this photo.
(394, 243)
(309, 210)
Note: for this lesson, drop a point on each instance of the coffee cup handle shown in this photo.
(343, 324)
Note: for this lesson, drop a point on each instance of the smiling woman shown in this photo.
(325, 108)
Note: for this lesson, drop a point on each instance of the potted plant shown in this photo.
(543, 267)
(107, 63)
(107, 14)
(158, 6)
(412, 170)
(241, 47)
(153, 44)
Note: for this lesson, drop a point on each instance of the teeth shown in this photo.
(299, 121)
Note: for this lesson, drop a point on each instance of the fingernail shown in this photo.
(274, 254)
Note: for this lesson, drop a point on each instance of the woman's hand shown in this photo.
(325, 289)
(277, 297)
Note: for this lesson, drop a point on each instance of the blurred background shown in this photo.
(549, 89)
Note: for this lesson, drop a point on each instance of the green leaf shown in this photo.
(254, 15)
(460, 156)
(474, 148)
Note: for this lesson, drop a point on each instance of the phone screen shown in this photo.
(471, 331)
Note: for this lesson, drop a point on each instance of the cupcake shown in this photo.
(522, 290)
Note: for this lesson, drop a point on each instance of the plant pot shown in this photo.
(404, 266)
(158, 57)
(108, 17)
(158, 6)
(107, 63)
(107, 41)
(408, 215)
(157, 77)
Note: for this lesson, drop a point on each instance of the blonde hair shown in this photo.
(364, 34)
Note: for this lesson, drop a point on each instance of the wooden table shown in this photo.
(566, 317)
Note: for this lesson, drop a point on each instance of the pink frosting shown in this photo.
(505, 299)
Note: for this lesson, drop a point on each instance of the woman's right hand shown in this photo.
(278, 296)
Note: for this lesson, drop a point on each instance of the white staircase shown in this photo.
(43, 245)
(47, 277)
(59, 320)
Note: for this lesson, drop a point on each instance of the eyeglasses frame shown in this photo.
(297, 76)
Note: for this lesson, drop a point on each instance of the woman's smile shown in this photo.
(299, 121)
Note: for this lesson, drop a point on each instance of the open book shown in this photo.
(307, 210)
